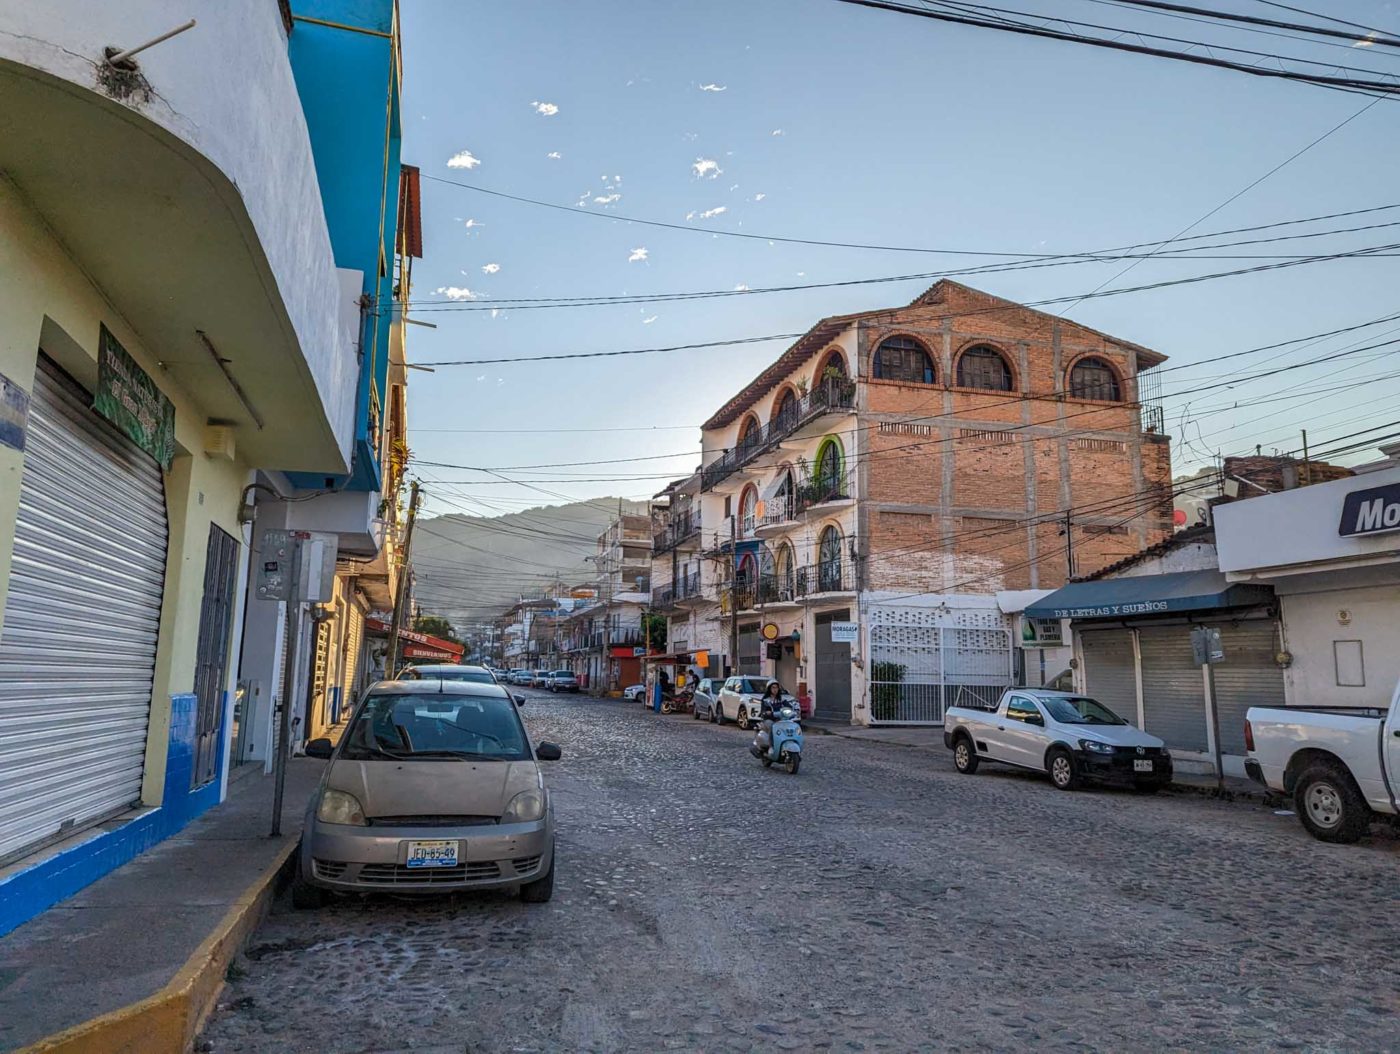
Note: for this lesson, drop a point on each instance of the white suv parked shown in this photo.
(741, 697)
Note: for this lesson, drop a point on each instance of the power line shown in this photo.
(1350, 84)
(1325, 18)
(1227, 16)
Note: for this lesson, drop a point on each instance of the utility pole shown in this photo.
(1069, 543)
(733, 595)
(396, 623)
(1307, 471)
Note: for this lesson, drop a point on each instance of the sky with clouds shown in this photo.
(813, 119)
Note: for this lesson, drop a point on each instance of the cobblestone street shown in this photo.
(876, 901)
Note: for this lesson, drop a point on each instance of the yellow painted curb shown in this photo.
(167, 1022)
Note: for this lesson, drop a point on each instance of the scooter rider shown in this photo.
(768, 713)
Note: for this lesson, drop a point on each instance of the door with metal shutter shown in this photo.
(1110, 670)
(78, 648)
(1249, 676)
(1173, 689)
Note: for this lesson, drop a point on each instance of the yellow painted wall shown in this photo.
(46, 299)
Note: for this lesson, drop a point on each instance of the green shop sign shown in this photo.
(128, 398)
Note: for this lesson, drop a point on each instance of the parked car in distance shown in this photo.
(740, 698)
(520, 677)
(634, 692)
(562, 681)
(706, 697)
(434, 787)
(1340, 765)
(448, 672)
(538, 679)
(1070, 737)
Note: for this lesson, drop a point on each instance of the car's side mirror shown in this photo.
(548, 752)
(519, 700)
(320, 748)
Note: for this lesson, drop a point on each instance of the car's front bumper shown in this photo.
(1119, 767)
(374, 859)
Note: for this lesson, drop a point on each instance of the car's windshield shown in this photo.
(395, 726)
(1079, 710)
(753, 685)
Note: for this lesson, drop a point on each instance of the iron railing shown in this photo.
(822, 488)
(678, 530)
(833, 395)
(826, 576)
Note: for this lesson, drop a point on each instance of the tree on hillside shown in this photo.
(435, 626)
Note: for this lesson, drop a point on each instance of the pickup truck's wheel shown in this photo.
(1329, 805)
(965, 758)
(1060, 765)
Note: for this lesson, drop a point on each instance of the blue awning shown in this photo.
(1179, 591)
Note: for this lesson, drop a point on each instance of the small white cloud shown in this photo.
(714, 87)
(639, 254)
(649, 321)
(491, 268)
(759, 197)
(1368, 41)
(481, 377)
(741, 288)
(495, 312)
(710, 214)
(690, 137)
(607, 199)
(554, 155)
(545, 109)
(456, 292)
(734, 186)
(690, 215)
(705, 168)
(801, 274)
(463, 159)
(499, 380)
(473, 224)
(777, 131)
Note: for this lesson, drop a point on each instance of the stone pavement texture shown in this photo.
(125, 936)
(876, 901)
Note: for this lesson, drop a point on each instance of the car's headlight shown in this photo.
(525, 807)
(1093, 746)
(339, 807)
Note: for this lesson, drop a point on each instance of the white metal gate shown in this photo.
(923, 661)
(77, 655)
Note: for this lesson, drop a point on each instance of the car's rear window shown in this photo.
(562, 673)
(468, 676)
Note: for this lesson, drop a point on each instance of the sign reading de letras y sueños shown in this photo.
(128, 398)
(1371, 511)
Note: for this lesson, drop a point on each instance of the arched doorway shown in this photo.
(829, 563)
(748, 505)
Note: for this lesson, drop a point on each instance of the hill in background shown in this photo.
(470, 568)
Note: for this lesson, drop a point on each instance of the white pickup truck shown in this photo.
(1340, 764)
(1069, 737)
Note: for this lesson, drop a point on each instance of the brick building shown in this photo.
(915, 470)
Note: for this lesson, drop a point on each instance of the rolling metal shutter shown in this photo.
(78, 650)
(1173, 688)
(1110, 670)
(1249, 676)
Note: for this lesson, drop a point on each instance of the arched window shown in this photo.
(748, 503)
(1094, 379)
(828, 480)
(902, 359)
(984, 367)
(829, 561)
(782, 571)
(749, 432)
(833, 365)
(785, 413)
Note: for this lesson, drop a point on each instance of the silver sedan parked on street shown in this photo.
(434, 788)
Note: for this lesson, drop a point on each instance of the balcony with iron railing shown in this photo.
(679, 530)
(823, 491)
(833, 395)
(826, 576)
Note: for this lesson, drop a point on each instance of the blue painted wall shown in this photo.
(36, 889)
(347, 78)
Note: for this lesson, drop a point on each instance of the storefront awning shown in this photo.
(1180, 591)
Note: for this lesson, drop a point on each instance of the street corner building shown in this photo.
(202, 244)
(874, 511)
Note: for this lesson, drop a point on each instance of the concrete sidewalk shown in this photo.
(133, 961)
(931, 740)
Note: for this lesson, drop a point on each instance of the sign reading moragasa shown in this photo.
(1372, 511)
